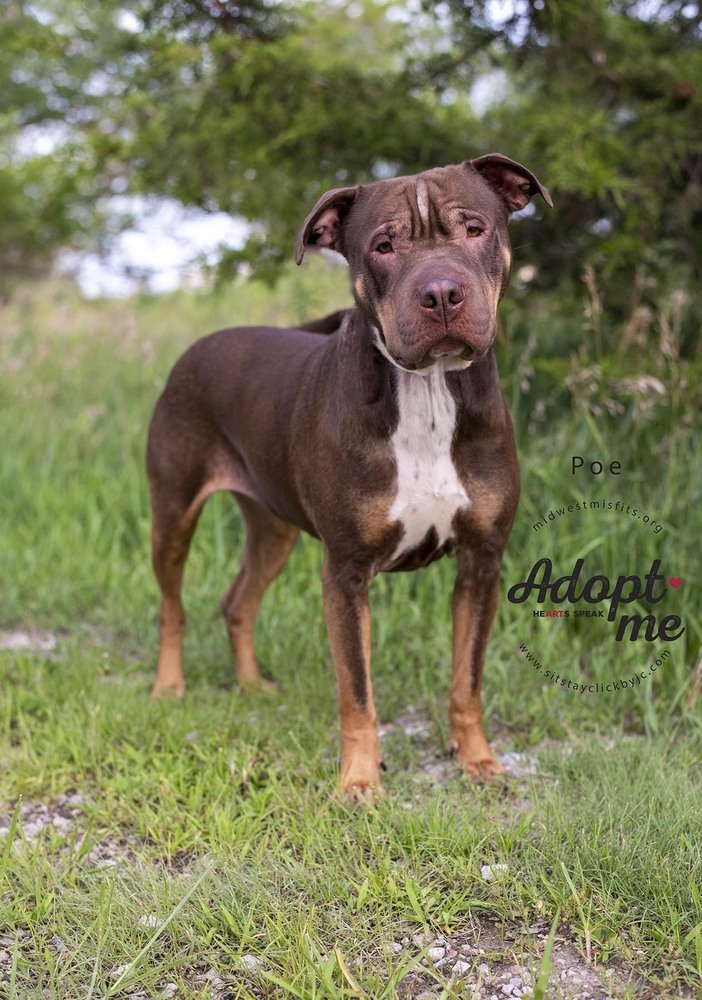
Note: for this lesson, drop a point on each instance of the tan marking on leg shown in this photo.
(171, 535)
(169, 682)
(172, 532)
(474, 606)
(348, 626)
(269, 542)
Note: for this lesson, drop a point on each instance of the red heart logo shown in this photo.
(675, 581)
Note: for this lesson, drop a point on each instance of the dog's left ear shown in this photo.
(514, 182)
(322, 226)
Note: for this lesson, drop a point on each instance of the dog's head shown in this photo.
(429, 255)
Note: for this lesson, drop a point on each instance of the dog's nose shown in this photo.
(441, 296)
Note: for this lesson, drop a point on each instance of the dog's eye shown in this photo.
(474, 230)
(385, 246)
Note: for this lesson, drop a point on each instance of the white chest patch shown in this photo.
(429, 491)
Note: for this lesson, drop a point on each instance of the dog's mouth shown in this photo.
(448, 347)
(448, 362)
(448, 353)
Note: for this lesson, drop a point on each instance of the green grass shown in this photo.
(220, 812)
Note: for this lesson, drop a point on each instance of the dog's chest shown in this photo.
(429, 492)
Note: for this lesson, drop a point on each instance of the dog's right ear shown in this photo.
(322, 226)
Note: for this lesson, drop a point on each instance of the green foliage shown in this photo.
(54, 74)
(604, 99)
(260, 130)
(255, 108)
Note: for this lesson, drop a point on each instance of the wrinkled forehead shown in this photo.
(422, 198)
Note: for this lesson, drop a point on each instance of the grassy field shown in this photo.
(198, 849)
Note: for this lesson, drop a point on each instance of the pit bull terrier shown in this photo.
(382, 431)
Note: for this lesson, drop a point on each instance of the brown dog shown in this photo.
(389, 439)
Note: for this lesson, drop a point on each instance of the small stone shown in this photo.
(420, 940)
(251, 962)
(75, 800)
(58, 944)
(396, 947)
(428, 995)
(491, 873)
(484, 969)
(462, 968)
(436, 954)
(170, 991)
(150, 920)
(32, 830)
(507, 989)
(116, 973)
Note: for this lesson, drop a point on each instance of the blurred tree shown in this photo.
(604, 100)
(254, 107)
(49, 98)
(250, 107)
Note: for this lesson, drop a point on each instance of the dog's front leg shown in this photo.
(347, 611)
(474, 605)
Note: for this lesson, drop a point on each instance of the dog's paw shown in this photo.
(360, 782)
(366, 794)
(475, 756)
(167, 692)
(488, 769)
(258, 685)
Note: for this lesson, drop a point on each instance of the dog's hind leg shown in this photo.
(269, 541)
(177, 461)
(172, 530)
